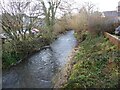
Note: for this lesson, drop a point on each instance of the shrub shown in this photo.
(98, 25)
(77, 22)
(17, 50)
(59, 27)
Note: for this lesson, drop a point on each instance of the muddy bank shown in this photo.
(63, 74)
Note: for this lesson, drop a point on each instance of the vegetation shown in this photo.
(97, 65)
(97, 60)
(17, 25)
(88, 19)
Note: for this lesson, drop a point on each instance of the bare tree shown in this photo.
(49, 11)
(67, 7)
(17, 24)
(15, 21)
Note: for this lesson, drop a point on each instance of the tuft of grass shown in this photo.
(10, 58)
(97, 65)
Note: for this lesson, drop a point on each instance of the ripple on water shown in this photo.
(38, 70)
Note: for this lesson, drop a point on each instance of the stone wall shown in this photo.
(113, 39)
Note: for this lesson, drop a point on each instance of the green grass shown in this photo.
(9, 56)
(97, 65)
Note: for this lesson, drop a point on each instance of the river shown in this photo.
(40, 68)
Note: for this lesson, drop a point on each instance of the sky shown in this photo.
(102, 5)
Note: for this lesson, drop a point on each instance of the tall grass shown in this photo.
(98, 25)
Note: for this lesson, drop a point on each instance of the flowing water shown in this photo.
(39, 69)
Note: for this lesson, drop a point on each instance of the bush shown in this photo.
(98, 25)
(76, 22)
(14, 51)
(9, 55)
(92, 22)
(59, 27)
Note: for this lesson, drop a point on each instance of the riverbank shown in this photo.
(97, 65)
(26, 57)
(63, 73)
(11, 58)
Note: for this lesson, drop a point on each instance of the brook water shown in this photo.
(39, 69)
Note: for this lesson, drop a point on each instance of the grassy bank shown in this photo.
(96, 65)
(22, 49)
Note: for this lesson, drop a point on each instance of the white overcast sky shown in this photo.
(102, 5)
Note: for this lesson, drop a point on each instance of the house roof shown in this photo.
(110, 13)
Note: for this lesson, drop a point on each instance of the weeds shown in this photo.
(97, 65)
